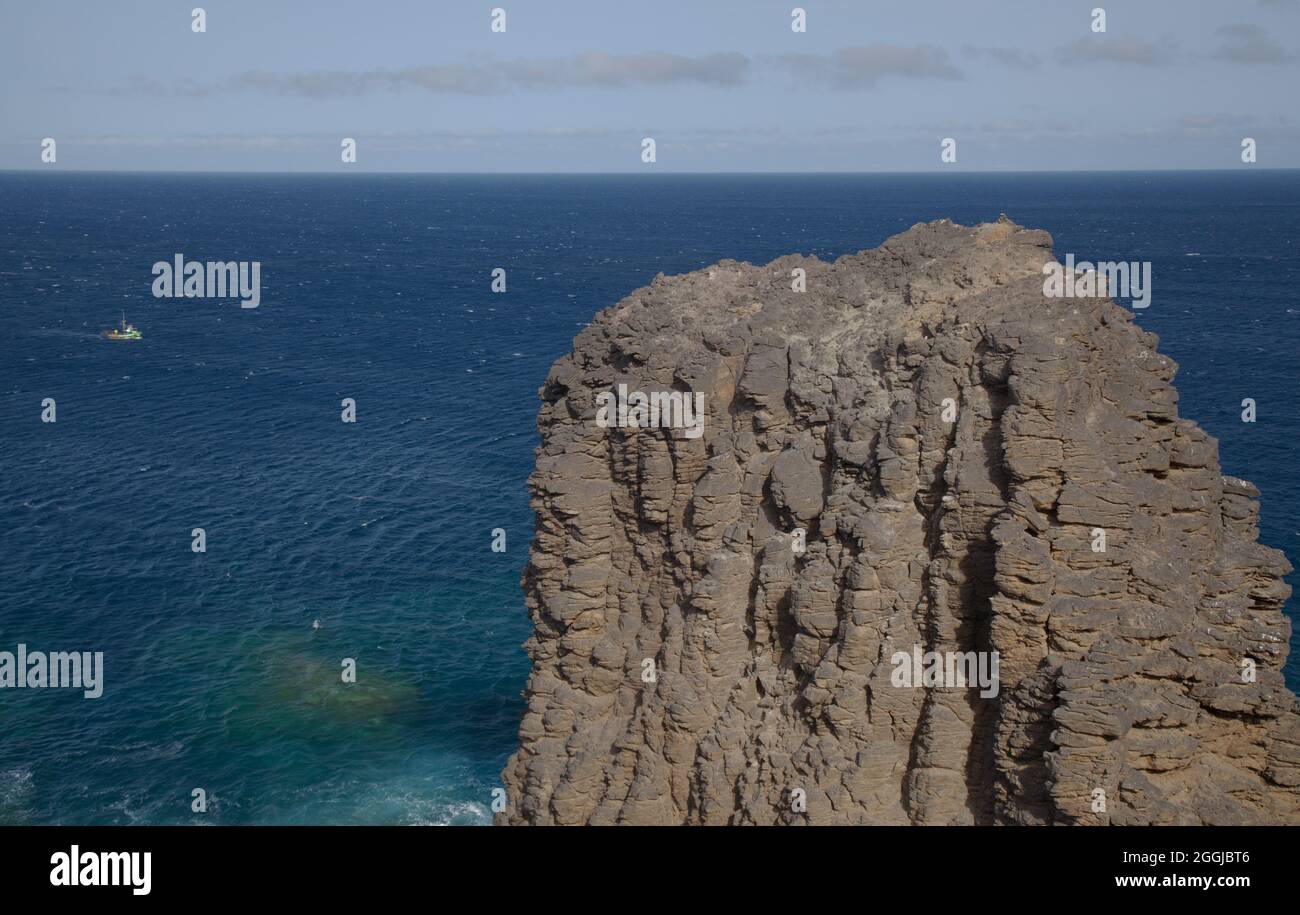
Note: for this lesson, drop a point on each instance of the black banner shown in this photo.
(329, 865)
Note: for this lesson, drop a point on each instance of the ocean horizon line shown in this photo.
(351, 172)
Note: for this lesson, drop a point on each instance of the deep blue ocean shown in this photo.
(378, 288)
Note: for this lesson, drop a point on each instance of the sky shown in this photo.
(720, 85)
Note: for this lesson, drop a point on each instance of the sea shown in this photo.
(371, 542)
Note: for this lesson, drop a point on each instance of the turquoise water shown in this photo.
(378, 288)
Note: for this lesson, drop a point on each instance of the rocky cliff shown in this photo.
(917, 452)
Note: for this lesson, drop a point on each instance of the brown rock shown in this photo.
(919, 450)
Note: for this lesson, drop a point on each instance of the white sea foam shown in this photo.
(464, 813)
(15, 791)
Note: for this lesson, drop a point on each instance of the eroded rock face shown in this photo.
(965, 526)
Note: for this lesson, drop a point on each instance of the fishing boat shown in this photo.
(123, 331)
